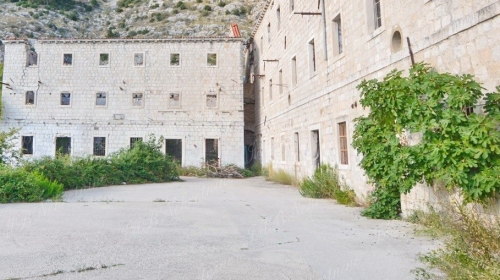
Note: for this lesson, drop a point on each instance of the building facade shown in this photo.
(309, 56)
(93, 97)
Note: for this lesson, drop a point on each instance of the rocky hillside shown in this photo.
(125, 18)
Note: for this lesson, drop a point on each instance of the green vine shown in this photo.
(458, 149)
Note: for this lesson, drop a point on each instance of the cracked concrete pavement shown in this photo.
(202, 229)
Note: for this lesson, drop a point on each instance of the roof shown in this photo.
(119, 40)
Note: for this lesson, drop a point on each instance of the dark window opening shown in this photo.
(175, 59)
(67, 59)
(212, 151)
(212, 59)
(65, 99)
(63, 146)
(27, 145)
(173, 148)
(378, 14)
(312, 56)
(99, 146)
(134, 140)
(100, 99)
(30, 98)
(32, 58)
(103, 59)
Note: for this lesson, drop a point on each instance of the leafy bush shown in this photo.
(18, 185)
(458, 148)
(143, 163)
(325, 183)
(471, 247)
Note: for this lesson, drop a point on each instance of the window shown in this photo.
(30, 98)
(297, 146)
(173, 148)
(212, 151)
(294, 71)
(104, 59)
(27, 145)
(285, 42)
(174, 100)
(344, 157)
(272, 148)
(280, 81)
(67, 59)
(278, 17)
(65, 99)
(377, 13)
(283, 148)
(316, 148)
(100, 99)
(175, 59)
(261, 45)
(137, 99)
(134, 140)
(211, 100)
(63, 146)
(99, 146)
(271, 89)
(212, 59)
(337, 36)
(312, 57)
(32, 59)
(263, 96)
(138, 59)
(292, 6)
(269, 33)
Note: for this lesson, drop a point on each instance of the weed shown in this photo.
(159, 200)
(278, 176)
(471, 247)
(326, 183)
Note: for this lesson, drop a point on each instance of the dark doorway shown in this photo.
(63, 146)
(173, 148)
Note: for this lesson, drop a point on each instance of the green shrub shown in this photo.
(143, 163)
(18, 185)
(325, 183)
(471, 248)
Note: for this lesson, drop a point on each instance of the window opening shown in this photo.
(173, 148)
(63, 146)
(99, 146)
(212, 151)
(344, 157)
(137, 99)
(134, 140)
(100, 99)
(138, 59)
(104, 59)
(175, 59)
(212, 59)
(297, 146)
(67, 59)
(65, 99)
(27, 145)
(30, 98)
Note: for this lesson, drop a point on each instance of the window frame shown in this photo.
(72, 60)
(61, 99)
(216, 59)
(143, 59)
(26, 99)
(180, 100)
(338, 35)
(32, 137)
(94, 146)
(143, 99)
(343, 143)
(180, 60)
(106, 99)
(311, 46)
(99, 60)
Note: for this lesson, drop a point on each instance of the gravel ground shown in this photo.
(201, 229)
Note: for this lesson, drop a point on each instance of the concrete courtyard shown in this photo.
(201, 229)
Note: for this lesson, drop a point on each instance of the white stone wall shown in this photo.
(119, 120)
(457, 36)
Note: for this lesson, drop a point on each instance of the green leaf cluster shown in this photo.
(18, 185)
(457, 149)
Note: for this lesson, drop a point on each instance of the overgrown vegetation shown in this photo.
(1, 86)
(56, 5)
(18, 185)
(326, 183)
(144, 163)
(458, 148)
(471, 247)
(279, 176)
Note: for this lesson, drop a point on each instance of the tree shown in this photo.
(459, 148)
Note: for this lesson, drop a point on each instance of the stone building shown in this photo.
(93, 97)
(309, 56)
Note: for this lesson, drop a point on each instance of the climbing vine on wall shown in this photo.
(458, 148)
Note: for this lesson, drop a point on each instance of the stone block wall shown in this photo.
(457, 36)
(192, 101)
